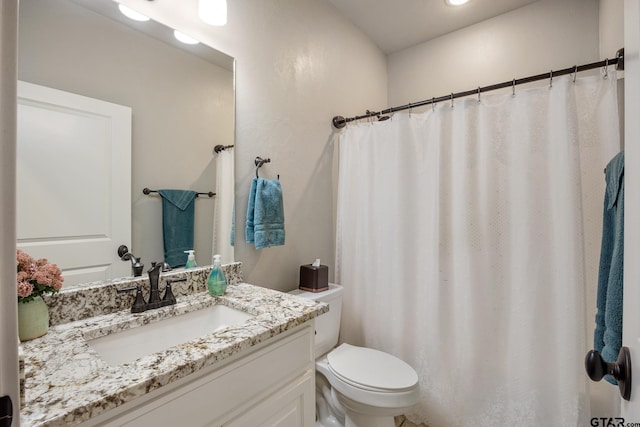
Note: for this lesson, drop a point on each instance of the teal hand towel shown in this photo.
(269, 214)
(178, 212)
(232, 237)
(268, 220)
(251, 207)
(608, 331)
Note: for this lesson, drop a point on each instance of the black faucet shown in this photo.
(125, 255)
(139, 304)
(154, 293)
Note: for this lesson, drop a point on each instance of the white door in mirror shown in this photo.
(74, 213)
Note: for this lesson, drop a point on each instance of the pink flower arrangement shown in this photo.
(36, 277)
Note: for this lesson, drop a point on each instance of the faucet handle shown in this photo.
(169, 298)
(139, 304)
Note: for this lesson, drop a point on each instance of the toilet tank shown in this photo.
(327, 324)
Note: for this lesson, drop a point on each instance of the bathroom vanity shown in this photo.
(252, 369)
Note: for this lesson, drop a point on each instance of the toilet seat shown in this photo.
(371, 370)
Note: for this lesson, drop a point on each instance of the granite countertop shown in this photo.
(67, 382)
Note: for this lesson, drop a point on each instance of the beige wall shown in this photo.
(299, 63)
(534, 39)
(611, 19)
(182, 105)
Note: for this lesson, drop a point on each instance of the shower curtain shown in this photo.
(467, 239)
(223, 215)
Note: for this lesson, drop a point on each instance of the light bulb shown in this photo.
(456, 2)
(132, 14)
(184, 38)
(213, 12)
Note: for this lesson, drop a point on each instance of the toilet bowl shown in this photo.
(356, 386)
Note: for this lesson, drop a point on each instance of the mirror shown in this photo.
(182, 106)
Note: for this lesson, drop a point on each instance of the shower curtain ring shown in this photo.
(433, 104)
(451, 99)
(410, 108)
(550, 79)
(478, 94)
(575, 72)
(606, 69)
(513, 88)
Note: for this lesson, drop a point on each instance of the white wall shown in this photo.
(534, 39)
(182, 105)
(299, 63)
(545, 35)
(611, 19)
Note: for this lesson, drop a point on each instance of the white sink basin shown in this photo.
(134, 343)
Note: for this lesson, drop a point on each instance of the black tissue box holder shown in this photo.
(314, 279)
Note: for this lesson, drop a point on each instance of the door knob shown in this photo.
(597, 368)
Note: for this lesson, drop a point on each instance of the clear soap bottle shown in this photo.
(217, 283)
(191, 259)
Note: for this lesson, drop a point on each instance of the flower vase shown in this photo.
(33, 319)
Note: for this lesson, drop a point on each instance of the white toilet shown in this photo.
(356, 386)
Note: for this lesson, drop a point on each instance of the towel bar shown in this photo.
(597, 368)
(147, 192)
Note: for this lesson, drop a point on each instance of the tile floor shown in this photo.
(401, 421)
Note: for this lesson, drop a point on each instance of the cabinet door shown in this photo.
(291, 406)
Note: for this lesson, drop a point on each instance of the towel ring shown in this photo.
(259, 161)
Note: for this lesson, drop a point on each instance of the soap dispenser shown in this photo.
(191, 259)
(217, 283)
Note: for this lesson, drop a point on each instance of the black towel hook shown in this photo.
(597, 368)
(259, 161)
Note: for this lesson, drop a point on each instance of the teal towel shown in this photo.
(232, 237)
(249, 229)
(265, 214)
(178, 213)
(269, 214)
(608, 331)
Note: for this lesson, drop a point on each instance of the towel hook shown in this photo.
(259, 161)
(597, 368)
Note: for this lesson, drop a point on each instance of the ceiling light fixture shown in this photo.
(184, 38)
(132, 14)
(456, 2)
(213, 12)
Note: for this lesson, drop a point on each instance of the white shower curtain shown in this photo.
(223, 214)
(466, 240)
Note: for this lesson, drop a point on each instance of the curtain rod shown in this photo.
(339, 121)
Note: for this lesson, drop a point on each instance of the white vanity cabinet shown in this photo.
(270, 384)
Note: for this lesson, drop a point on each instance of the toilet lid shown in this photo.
(369, 368)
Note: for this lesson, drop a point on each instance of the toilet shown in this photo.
(356, 386)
